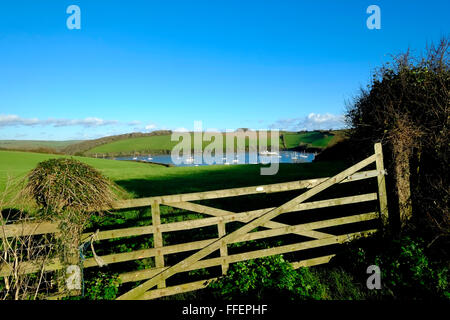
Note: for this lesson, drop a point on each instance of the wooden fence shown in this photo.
(155, 284)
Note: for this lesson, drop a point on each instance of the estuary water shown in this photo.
(237, 158)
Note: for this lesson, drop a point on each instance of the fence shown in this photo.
(251, 224)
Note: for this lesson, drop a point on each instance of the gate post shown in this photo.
(223, 248)
(382, 197)
(157, 239)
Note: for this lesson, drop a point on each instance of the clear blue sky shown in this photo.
(163, 64)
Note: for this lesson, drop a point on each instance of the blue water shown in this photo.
(242, 158)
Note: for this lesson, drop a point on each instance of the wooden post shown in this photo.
(223, 247)
(382, 197)
(157, 239)
(70, 277)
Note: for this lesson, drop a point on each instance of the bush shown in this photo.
(99, 286)
(406, 107)
(341, 285)
(268, 278)
(407, 271)
(69, 185)
(104, 286)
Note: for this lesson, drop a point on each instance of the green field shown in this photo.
(141, 144)
(163, 144)
(35, 144)
(130, 144)
(313, 139)
(151, 144)
(141, 179)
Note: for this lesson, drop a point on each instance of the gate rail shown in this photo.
(155, 286)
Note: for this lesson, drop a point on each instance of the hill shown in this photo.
(159, 142)
(82, 147)
(37, 145)
(312, 140)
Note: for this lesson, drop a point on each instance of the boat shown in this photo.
(149, 158)
(294, 157)
(303, 155)
(189, 160)
(268, 153)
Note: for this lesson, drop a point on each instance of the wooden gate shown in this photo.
(263, 218)
(256, 224)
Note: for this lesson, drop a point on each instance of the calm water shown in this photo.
(241, 158)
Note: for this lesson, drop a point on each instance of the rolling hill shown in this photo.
(160, 143)
(30, 145)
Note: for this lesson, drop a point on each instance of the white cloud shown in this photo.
(313, 121)
(134, 123)
(14, 120)
(182, 129)
(150, 127)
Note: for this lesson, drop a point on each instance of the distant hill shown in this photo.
(86, 145)
(159, 142)
(37, 145)
(312, 140)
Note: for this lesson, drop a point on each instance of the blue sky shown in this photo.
(146, 65)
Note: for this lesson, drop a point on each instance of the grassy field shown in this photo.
(163, 143)
(35, 144)
(315, 139)
(152, 144)
(155, 143)
(141, 179)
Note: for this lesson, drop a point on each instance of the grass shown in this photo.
(35, 144)
(151, 144)
(163, 144)
(141, 179)
(314, 139)
(141, 144)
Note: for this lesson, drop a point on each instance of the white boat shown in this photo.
(303, 155)
(268, 153)
(294, 157)
(149, 158)
(189, 160)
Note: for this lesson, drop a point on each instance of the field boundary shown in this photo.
(257, 224)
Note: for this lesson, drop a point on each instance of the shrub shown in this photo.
(67, 184)
(407, 271)
(104, 286)
(406, 106)
(68, 192)
(341, 285)
(268, 278)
